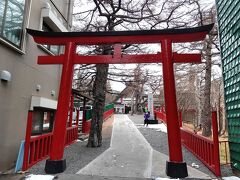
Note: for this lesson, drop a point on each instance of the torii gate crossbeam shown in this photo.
(175, 167)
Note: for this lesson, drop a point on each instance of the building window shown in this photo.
(42, 121)
(53, 48)
(11, 20)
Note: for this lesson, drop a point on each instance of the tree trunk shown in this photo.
(206, 110)
(99, 91)
(199, 105)
(132, 103)
(225, 121)
(220, 119)
(137, 102)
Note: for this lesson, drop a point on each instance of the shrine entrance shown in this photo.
(175, 167)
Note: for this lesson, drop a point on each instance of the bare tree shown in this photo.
(110, 15)
(206, 110)
(209, 49)
(208, 54)
(217, 101)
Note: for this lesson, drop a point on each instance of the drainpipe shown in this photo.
(69, 15)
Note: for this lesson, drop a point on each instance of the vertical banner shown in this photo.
(150, 106)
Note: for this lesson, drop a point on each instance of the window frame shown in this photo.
(47, 16)
(22, 46)
(51, 123)
(48, 47)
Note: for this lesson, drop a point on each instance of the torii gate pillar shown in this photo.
(56, 164)
(175, 167)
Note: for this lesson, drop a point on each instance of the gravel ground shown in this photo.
(78, 155)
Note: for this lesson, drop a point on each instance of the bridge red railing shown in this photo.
(160, 116)
(204, 149)
(199, 145)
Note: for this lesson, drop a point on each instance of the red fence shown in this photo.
(160, 116)
(200, 146)
(203, 148)
(38, 147)
(86, 124)
(107, 114)
(72, 135)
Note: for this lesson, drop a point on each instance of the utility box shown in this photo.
(229, 28)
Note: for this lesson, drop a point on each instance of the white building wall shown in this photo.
(15, 95)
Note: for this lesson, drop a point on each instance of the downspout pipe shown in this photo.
(69, 15)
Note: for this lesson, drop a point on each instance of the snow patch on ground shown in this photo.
(39, 177)
(160, 127)
(50, 177)
(164, 179)
(231, 178)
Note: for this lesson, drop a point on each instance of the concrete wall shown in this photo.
(15, 96)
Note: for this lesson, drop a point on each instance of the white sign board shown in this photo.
(150, 105)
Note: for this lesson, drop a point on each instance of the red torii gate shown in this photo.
(175, 167)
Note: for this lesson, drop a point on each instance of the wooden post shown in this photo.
(180, 118)
(71, 111)
(77, 117)
(216, 144)
(84, 123)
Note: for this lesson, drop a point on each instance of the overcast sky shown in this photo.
(117, 85)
